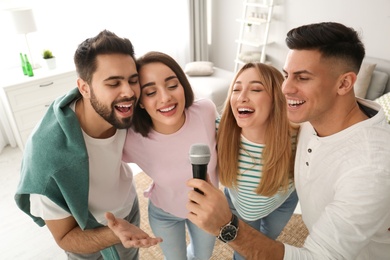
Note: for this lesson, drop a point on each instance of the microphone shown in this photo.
(199, 157)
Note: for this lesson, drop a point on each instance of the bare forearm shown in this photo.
(88, 241)
(211, 211)
(251, 244)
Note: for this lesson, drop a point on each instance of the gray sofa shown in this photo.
(380, 79)
(379, 87)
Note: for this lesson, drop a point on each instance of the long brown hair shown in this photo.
(142, 121)
(278, 155)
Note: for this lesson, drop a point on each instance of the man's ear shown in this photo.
(347, 81)
(84, 88)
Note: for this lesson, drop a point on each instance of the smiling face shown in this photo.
(114, 90)
(162, 96)
(250, 102)
(310, 86)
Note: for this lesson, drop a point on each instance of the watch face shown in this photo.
(229, 233)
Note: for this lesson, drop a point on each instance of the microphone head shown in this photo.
(199, 154)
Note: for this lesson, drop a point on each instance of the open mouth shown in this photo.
(167, 109)
(123, 108)
(244, 111)
(295, 103)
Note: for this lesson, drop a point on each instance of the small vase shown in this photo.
(50, 63)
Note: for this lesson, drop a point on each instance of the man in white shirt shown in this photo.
(342, 168)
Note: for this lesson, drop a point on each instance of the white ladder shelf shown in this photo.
(256, 14)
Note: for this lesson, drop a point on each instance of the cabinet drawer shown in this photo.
(40, 92)
(28, 118)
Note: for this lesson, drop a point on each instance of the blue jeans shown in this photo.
(124, 253)
(271, 225)
(172, 230)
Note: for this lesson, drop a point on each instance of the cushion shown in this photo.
(363, 79)
(250, 56)
(199, 68)
(378, 85)
(384, 101)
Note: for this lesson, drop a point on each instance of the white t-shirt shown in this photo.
(111, 186)
(343, 185)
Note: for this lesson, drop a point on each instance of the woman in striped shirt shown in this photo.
(256, 147)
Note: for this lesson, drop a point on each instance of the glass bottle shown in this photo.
(23, 64)
(29, 68)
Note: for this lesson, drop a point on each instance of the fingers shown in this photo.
(194, 196)
(199, 184)
(192, 216)
(196, 199)
(144, 243)
(193, 204)
(110, 218)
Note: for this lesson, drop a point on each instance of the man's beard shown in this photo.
(109, 114)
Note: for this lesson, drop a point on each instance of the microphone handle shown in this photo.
(199, 171)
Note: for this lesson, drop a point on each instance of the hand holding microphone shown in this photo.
(199, 157)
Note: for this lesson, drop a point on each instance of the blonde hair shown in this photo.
(278, 155)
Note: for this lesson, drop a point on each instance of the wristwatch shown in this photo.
(229, 232)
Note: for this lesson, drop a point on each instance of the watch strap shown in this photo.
(233, 222)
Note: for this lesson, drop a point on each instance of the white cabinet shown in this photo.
(26, 99)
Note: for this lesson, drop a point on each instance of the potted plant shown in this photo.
(50, 60)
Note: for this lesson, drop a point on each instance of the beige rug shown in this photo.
(294, 233)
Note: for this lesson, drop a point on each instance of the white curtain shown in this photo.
(198, 30)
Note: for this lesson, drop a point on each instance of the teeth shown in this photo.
(295, 102)
(245, 110)
(124, 106)
(167, 109)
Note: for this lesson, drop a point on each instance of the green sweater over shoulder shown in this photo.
(55, 164)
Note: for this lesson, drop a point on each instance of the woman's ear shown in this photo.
(84, 88)
(141, 106)
(347, 81)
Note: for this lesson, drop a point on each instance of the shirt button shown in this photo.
(307, 163)
(309, 150)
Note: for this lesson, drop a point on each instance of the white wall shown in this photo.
(62, 25)
(370, 18)
(151, 25)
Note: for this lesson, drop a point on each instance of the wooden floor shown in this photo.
(21, 238)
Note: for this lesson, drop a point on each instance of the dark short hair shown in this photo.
(142, 121)
(332, 40)
(105, 42)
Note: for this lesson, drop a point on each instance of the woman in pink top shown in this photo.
(166, 123)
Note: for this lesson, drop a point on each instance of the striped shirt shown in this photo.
(249, 205)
